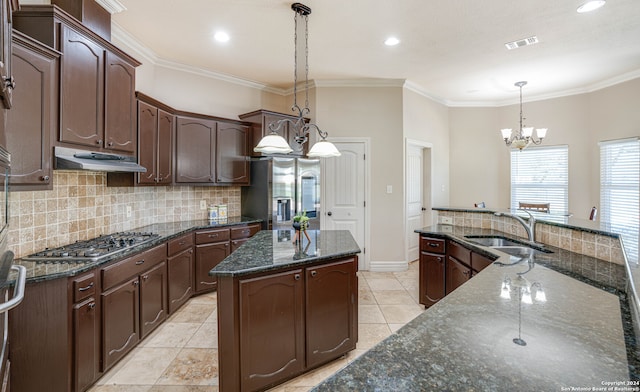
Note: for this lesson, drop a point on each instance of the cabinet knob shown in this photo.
(314, 273)
(466, 272)
(10, 82)
(191, 251)
(44, 178)
(135, 283)
(296, 276)
(92, 305)
(110, 144)
(99, 141)
(145, 277)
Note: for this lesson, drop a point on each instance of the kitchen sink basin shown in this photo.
(519, 251)
(493, 241)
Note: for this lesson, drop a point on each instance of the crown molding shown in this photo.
(112, 6)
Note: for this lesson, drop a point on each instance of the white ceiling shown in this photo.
(451, 50)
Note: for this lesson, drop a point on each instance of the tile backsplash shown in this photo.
(81, 206)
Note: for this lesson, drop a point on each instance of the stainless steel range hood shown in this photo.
(72, 159)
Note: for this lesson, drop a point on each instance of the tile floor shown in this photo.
(182, 356)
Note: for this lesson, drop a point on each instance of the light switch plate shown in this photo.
(129, 211)
(203, 204)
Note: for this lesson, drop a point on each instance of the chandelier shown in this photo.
(274, 143)
(523, 136)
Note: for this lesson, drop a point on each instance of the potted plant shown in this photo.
(301, 223)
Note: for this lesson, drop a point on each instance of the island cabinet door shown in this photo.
(271, 329)
(432, 278)
(330, 311)
(457, 274)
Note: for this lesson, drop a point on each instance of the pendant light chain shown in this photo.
(306, 60)
(295, 61)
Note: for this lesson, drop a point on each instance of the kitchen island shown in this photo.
(486, 336)
(285, 308)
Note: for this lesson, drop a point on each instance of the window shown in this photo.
(541, 175)
(620, 190)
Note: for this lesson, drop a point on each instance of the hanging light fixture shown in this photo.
(523, 136)
(273, 143)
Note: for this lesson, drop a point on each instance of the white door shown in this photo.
(344, 201)
(416, 183)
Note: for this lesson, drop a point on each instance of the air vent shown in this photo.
(521, 42)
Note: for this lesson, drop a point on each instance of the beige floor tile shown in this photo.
(171, 334)
(377, 275)
(393, 297)
(371, 334)
(368, 314)
(400, 314)
(209, 298)
(205, 337)
(121, 388)
(184, 388)
(145, 367)
(365, 297)
(314, 377)
(193, 312)
(192, 366)
(116, 368)
(384, 284)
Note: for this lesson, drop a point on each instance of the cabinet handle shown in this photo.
(92, 306)
(296, 276)
(99, 141)
(466, 272)
(213, 235)
(433, 245)
(44, 178)
(86, 288)
(10, 82)
(314, 273)
(226, 244)
(440, 259)
(135, 283)
(181, 243)
(140, 262)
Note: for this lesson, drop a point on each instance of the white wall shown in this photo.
(480, 161)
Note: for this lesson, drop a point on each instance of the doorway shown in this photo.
(417, 194)
(345, 191)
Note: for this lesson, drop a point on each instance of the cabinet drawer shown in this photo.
(211, 236)
(131, 266)
(244, 231)
(179, 244)
(84, 287)
(459, 252)
(432, 245)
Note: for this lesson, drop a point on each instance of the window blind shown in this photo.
(620, 190)
(541, 175)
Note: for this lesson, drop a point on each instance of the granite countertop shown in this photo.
(38, 271)
(274, 250)
(578, 338)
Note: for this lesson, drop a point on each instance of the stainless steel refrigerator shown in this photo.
(282, 187)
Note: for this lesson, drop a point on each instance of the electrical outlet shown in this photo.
(389, 189)
(446, 220)
(203, 204)
(129, 211)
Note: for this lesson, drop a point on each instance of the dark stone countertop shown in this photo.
(578, 338)
(38, 271)
(274, 250)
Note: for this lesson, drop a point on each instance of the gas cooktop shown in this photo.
(92, 250)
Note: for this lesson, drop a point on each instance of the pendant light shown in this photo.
(523, 136)
(273, 143)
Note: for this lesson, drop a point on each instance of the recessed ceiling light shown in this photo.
(221, 36)
(590, 6)
(391, 41)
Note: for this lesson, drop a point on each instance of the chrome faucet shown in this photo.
(529, 227)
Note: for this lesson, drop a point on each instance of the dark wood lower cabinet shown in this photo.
(120, 321)
(432, 278)
(457, 274)
(153, 299)
(86, 349)
(271, 328)
(180, 278)
(330, 312)
(281, 324)
(207, 257)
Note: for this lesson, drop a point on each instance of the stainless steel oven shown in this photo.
(12, 277)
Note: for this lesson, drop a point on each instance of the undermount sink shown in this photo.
(511, 247)
(493, 241)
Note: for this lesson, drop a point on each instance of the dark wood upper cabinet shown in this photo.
(232, 165)
(97, 81)
(32, 120)
(155, 132)
(195, 150)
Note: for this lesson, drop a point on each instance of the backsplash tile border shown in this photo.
(585, 243)
(81, 206)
